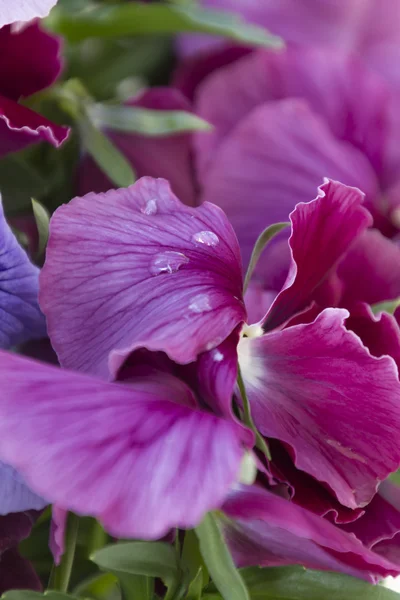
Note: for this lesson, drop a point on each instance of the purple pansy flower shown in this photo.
(30, 63)
(20, 320)
(139, 287)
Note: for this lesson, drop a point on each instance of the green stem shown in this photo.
(61, 574)
(247, 418)
(98, 538)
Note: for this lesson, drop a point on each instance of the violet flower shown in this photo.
(135, 269)
(30, 62)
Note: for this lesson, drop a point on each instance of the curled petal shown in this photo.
(277, 156)
(316, 388)
(57, 532)
(271, 531)
(20, 127)
(322, 232)
(136, 268)
(125, 454)
(20, 316)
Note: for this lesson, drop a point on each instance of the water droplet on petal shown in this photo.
(200, 303)
(208, 238)
(217, 355)
(167, 262)
(150, 207)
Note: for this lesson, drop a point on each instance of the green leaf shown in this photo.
(395, 478)
(30, 595)
(196, 586)
(142, 19)
(42, 219)
(263, 240)
(145, 121)
(105, 154)
(19, 181)
(219, 562)
(297, 583)
(153, 559)
(389, 306)
(192, 559)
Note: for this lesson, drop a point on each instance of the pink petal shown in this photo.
(271, 531)
(322, 232)
(31, 60)
(380, 334)
(57, 532)
(276, 157)
(157, 156)
(136, 268)
(24, 11)
(379, 528)
(316, 388)
(370, 271)
(125, 454)
(331, 84)
(20, 127)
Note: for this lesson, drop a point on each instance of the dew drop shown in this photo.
(208, 238)
(167, 262)
(217, 355)
(150, 208)
(200, 303)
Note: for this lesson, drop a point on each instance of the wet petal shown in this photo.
(125, 454)
(20, 316)
(322, 232)
(136, 268)
(316, 388)
(271, 531)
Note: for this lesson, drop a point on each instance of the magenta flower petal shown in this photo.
(322, 232)
(370, 271)
(20, 126)
(57, 532)
(16, 572)
(126, 454)
(379, 527)
(316, 388)
(271, 531)
(20, 316)
(161, 156)
(381, 333)
(31, 60)
(331, 84)
(136, 268)
(10, 12)
(277, 157)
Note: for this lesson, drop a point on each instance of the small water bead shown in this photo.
(208, 238)
(200, 304)
(217, 355)
(167, 262)
(150, 208)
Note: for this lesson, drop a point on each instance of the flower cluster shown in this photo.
(181, 387)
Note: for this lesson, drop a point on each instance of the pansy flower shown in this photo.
(144, 290)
